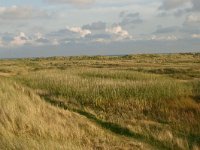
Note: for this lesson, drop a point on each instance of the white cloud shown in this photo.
(164, 38)
(121, 33)
(39, 39)
(192, 21)
(19, 40)
(82, 32)
(193, 18)
(196, 36)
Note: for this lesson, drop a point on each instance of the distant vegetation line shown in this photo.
(96, 56)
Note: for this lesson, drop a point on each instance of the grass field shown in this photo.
(147, 101)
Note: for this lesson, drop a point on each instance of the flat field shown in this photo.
(147, 101)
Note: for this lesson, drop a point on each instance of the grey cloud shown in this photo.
(129, 18)
(189, 27)
(162, 14)
(163, 30)
(180, 12)
(16, 13)
(67, 35)
(196, 5)
(74, 2)
(42, 41)
(188, 30)
(179, 4)
(172, 4)
(95, 26)
(63, 34)
(99, 36)
(122, 14)
(180, 32)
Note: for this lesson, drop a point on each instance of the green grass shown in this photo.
(92, 87)
(196, 91)
(149, 100)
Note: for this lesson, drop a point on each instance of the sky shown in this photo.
(42, 28)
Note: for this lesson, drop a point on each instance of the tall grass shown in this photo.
(27, 122)
(104, 86)
(196, 89)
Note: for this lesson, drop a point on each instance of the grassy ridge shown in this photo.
(153, 99)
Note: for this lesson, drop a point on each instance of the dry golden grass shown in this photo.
(125, 102)
(28, 122)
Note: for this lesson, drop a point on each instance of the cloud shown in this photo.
(16, 12)
(40, 39)
(184, 31)
(80, 31)
(20, 39)
(73, 2)
(192, 20)
(95, 26)
(119, 32)
(184, 6)
(130, 18)
(188, 28)
(98, 48)
(39, 35)
(173, 4)
(163, 30)
(164, 38)
(102, 38)
(65, 36)
(196, 5)
(196, 36)
(69, 34)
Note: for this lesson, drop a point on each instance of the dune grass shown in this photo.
(108, 86)
(107, 91)
(133, 102)
(27, 122)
